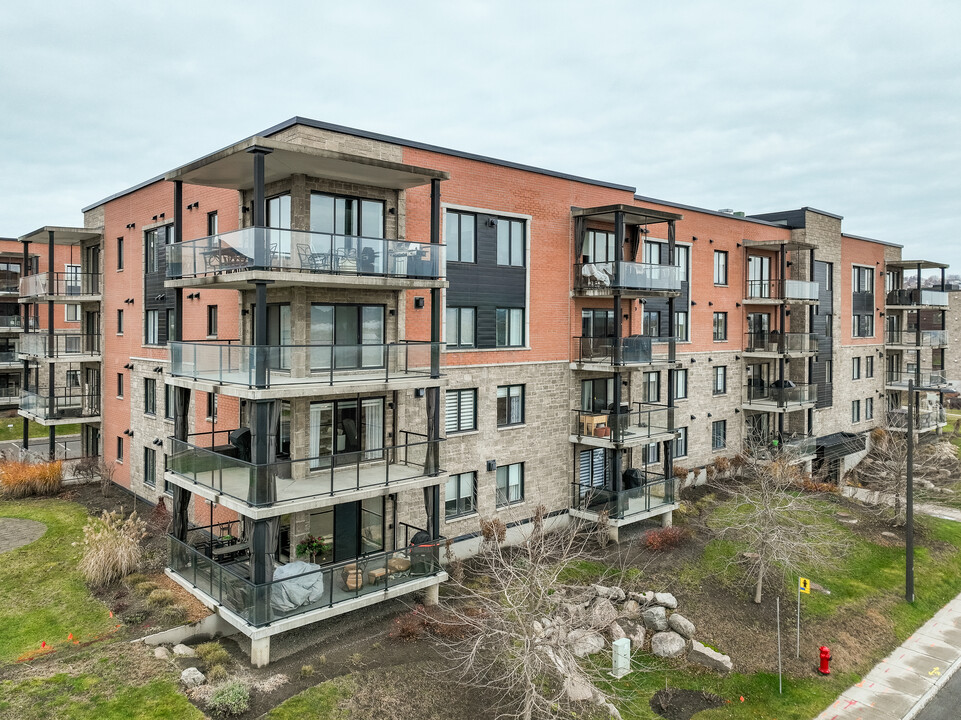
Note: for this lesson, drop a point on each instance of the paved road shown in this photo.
(11, 448)
(946, 705)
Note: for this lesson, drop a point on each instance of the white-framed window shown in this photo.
(460, 495)
(460, 410)
(510, 484)
(510, 405)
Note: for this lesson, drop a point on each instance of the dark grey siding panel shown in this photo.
(155, 295)
(485, 285)
(680, 305)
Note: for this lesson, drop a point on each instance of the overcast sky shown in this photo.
(850, 107)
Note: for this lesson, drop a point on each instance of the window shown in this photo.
(212, 407)
(73, 313)
(682, 257)
(680, 443)
(718, 434)
(598, 247)
(680, 384)
(720, 379)
(72, 279)
(171, 325)
(720, 326)
(510, 405)
(460, 410)
(278, 212)
(211, 321)
(153, 242)
(120, 322)
(510, 327)
(460, 327)
(652, 387)
(119, 385)
(856, 368)
(149, 467)
(460, 495)
(73, 378)
(120, 253)
(346, 336)
(119, 449)
(150, 396)
(828, 371)
(651, 453)
(869, 366)
(863, 326)
(652, 323)
(510, 242)
(680, 325)
(459, 234)
(720, 267)
(863, 281)
(654, 252)
(510, 484)
(868, 408)
(597, 323)
(212, 223)
(855, 411)
(152, 329)
(342, 215)
(169, 391)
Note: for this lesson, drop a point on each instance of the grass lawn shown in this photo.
(42, 594)
(36, 430)
(321, 702)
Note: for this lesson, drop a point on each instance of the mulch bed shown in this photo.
(678, 704)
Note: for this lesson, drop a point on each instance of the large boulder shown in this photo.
(574, 614)
(634, 631)
(703, 655)
(161, 653)
(644, 598)
(182, 650)
(631, 609)
(665, 600)
(602, 613)
(655, 618)
(681, 625)
(614, 594)
(585, 642)
(577, 690)
(668, 644)
(616, 631)
(192, 677)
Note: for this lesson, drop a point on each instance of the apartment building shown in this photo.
(321, 332)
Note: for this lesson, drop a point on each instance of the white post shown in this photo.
(621, 651)
(779, 686)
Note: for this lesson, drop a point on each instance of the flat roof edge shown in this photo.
(694, 208)
(874, 240)
(120, 194)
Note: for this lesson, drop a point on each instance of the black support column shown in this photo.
(672, 354)
(25, 380)
(51, 345)
(616, 479)
(432, 400)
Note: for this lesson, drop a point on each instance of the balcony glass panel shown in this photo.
(784, 343)
(635, 422)
(926, 419)
(59, 345)
(929, 338)
(628, 276)
(654, 492)
(926, 377)
(633, 350)
(60, 283)
(67, 403)
(229, 364)
(210, 460)
(913, 296)
(11, 321)
(782, 289)
(273, 249)
(780, 394)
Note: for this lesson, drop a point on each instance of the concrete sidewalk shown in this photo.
(901, 684)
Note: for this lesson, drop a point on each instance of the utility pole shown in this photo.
(909, 518)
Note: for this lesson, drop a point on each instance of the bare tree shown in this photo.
(783, 527)
(500, 626)
(93, 468)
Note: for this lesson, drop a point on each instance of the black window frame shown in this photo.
(212, 320)
(869, 408)
(462, 506)
(722, 266)
(856, 368)
(681, 372)
(169, 395)
(119, 321)
(211, 407)
(687, 326)
(149, 467)
(454, 335)
(505, 494)
(855, 411)
(506, 405)
(460, 393)
(720, 323)
(646, 385)
(119, 253)
(718, 432)
(719, 373)
(868, 366)
(651, 320)
(509, 324)
(680, 449)
(512, 241)
(213, 224)
(460, 216)
(150, 396)
(120, 385)
(119, 449)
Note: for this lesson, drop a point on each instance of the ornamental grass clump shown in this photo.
(111, 547)
(21, 479)
(231, 698)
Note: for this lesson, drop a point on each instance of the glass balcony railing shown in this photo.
(59, 345)
(627, 276)
(228, 364)
(636, 422)
(8, 357)
(9, 393)
(787, 444)
(217, 466)
(780, 394)
(654, 492)
(782, 290)
(8, 322)
(789, 343)
(632, 350)
(296, 594)
(926, 377)
(294, 250)
(60, 283)
(926, 419)
(913, 296)
(928, 338)
(67, 403)
(10, 284)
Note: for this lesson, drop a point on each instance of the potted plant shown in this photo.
(312, 546)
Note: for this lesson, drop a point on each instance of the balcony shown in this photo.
(775, 343)
(911, 338)
(606, 278)
(655, 496)
(794, 447)
(912, 298)
(925, 377)
(315, 482)
(294, 257)
(775, 292)
(10, 284)
(61, 287)
(64, 405)
(605, 353)
(74, 347)
(636, 424)
(779, 396)
(10, 395)
(9, 358)
(325, 592)
(303, 369)
(930, 418)
(14, 323)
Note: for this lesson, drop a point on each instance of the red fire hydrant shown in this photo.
(825, 668)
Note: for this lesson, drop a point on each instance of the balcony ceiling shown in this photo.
(233, 167)
(913, 264)
(790, 246)
(62, 235)
(633, 215)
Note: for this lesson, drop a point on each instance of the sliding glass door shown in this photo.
(351, 336)
(344, 432)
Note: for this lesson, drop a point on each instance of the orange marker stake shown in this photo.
(70, 636)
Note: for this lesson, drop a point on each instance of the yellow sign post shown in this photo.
(803, 586)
